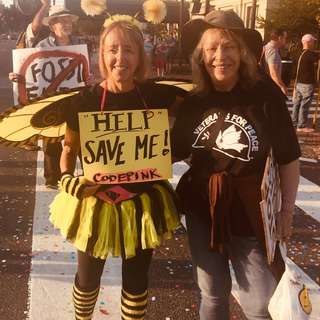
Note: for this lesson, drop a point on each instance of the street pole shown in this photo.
(253, 14)
(180, 29)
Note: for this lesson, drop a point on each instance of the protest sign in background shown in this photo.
(270, 204)
(49, 70)
(125, 146)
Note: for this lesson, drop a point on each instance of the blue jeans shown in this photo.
(301, 104)
(212, 274)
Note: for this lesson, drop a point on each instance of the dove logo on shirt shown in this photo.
(235, 136)
(229, 139)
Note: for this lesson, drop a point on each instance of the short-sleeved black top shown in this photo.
(306, 72)
(149, 94)
(232, 132)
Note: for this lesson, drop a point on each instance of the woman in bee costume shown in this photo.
(128, 221)
(228, 126)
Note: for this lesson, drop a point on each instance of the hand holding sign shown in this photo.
(50, 70)
(284, 221)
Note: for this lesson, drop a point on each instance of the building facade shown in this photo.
(242, 7)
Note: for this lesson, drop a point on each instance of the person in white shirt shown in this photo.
(60, 22)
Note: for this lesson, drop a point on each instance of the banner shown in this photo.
(270, 204)
(125, 146)
(49, 70)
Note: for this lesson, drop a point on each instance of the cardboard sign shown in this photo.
(49, 70)
(270, 204)
(125, 146)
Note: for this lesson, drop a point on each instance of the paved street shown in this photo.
(37, 265)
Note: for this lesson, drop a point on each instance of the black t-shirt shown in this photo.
(149, 94)
(232, 132)
(306, 72)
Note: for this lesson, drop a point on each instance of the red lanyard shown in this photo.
(104, 97)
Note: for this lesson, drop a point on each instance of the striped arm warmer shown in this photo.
(72, 185)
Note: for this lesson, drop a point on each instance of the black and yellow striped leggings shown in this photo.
(134, 285)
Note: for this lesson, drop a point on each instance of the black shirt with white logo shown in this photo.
(232, 132)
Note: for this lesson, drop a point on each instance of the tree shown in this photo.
(298, 17)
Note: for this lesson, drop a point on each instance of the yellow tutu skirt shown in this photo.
(101, 229)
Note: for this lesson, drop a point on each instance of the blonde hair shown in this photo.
(248, 71)
(133, 33)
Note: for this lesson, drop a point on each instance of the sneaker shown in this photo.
(52, 186)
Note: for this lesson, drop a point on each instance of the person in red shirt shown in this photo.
(161, 51)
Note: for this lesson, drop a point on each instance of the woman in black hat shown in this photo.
(228, 126)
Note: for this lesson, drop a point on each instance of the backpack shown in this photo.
(21, 42)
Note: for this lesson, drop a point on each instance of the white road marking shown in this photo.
(54, 260)
(308, 193)
(308, 198)
(54, 266)
(308, 160)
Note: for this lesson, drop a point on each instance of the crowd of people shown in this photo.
(306, 75)
(227, 126)
(161, 52)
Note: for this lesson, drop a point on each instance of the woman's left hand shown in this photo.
(289, 181)
(284, 220)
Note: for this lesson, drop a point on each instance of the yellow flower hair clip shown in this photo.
(154, 11)
(93, 7)
(122, 17)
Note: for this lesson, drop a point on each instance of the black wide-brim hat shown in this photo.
(193, 30)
